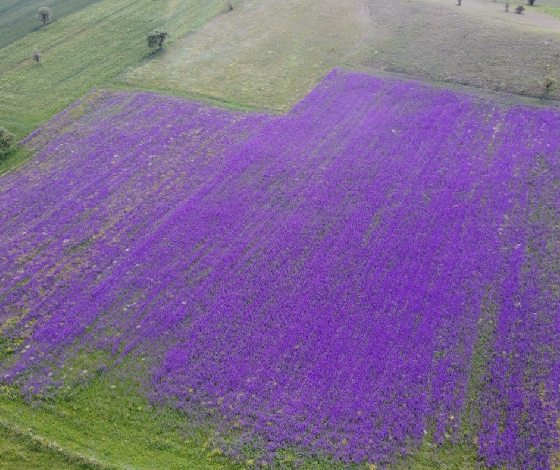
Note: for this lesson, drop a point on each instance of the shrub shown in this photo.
(549, 84)
(6, 140)
(37, 57)
(229, 5)
(531, 2)
(156, 38)
(519, 9)
(507, 7)
(44, 15)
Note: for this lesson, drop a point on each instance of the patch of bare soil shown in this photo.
(477, 44)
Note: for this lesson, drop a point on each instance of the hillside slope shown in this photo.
(375, 269)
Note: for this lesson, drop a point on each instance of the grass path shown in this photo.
(108, 422)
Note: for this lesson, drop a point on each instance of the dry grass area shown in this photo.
(270, 53)
(477, 44)
(265, 53)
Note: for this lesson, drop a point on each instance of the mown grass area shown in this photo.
(19, 17)
(264, 54)
(85, 50)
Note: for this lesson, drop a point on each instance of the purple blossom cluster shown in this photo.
(378, 267)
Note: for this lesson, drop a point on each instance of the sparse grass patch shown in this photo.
(554, 11)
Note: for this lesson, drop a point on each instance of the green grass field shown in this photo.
(84, 50)
(110, 424)
(23, 453)
(19, 17)
(550, 7)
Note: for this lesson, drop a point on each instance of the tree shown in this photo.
(531, 2)
(549, 84)
(37, 57)
(156, 38)
(507, 7)
(44, 15)
(6, 140)
(519, 9)
(229, 5)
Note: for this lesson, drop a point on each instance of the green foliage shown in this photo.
(37, 57)
(549, 84)
(6, 140)
(156, 38)
(44, 15)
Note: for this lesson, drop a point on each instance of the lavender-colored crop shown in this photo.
(378, 267)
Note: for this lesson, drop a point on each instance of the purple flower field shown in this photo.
(378, 267)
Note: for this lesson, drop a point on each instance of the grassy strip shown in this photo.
(554, 11)
(14, 157)
(109, 424)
